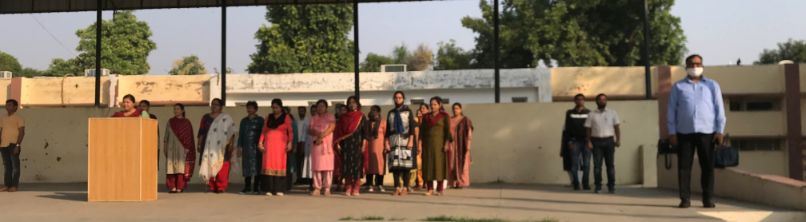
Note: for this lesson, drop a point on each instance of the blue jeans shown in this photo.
(604, 149)
(580, 159)
(11, 163)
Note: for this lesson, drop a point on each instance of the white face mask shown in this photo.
(695, 72)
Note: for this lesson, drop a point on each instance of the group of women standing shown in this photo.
(340, 149)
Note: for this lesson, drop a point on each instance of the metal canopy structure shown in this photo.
(45, 6)
(98, 6)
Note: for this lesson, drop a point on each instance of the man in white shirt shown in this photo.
(604, 136)
(303, 151)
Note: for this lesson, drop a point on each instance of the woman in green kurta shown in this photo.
(435, 134)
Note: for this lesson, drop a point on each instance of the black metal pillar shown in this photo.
(496, 49)
(98, 26)
(645, 53)
(355, 50)
(223, 52)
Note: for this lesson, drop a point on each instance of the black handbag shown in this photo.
(666, 148)
(725, 155)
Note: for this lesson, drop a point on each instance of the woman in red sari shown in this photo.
(180, 150)
(459, 149)
(276, 142)
(129, 108)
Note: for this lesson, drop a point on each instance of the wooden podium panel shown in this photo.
(122, 159)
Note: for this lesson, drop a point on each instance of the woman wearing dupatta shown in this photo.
(252, 159)
(435, 135)
(180, 150)
(351, 137)
(399, 136)
(129, 108)
(322, 154)
(276, 142)
(376, 150)
(459, 151)
(217, 149)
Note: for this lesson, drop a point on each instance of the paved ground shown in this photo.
(67, 202)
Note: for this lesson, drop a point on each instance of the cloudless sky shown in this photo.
(721, 30)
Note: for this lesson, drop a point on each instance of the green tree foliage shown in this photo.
(9, 63)
(794, 50)
(577, 33)
(189, 65)
(304, 38)
(420, 59)
(61, 67)
(124, 50)
(374, 61)
(450, 56)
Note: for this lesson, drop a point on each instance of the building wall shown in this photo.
(467, 86)
(5, 89)
(166, 89)
(616, 82)
(511, 143)
(62, 91)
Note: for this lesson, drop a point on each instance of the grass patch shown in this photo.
(365, 218)
(465, 219)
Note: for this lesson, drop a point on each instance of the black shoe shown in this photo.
(684, 204)
(597, 190)
(611, 191)
(709, 205)
(586, 187)
(576, 186)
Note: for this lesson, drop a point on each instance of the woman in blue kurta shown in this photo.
(252, 159)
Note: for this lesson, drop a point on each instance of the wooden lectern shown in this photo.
(122, 159)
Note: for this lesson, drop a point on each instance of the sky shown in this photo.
(721, 30)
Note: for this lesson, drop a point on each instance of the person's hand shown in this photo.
(570, 145)
(289, 148)
(260, 147)
(240, 152)
(338, 147)
(719, 138)
(618, 143)
(17, 150)
(589, 145)
(673, 140)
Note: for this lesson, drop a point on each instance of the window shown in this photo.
(519, 99)
(757, 144)
(754, 104)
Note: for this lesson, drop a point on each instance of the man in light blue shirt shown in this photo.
(696, 121)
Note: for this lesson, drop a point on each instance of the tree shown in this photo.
(30, 72)
(9, 63)
(374, 61)
(578, 33)
(421, 59)
(450, 56)
(60, 67)
(304, 38)
(794, 50)
(400, 54)
(125, 47)
(189, 65)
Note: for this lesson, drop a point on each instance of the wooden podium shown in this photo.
(122, 159)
